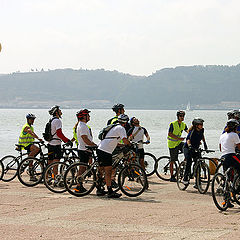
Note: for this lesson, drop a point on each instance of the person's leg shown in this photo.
(173, 156)
(188, 158)
(34, 150)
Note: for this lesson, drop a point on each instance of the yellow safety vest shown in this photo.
(75, 134)
(26, 138)
(177, 130)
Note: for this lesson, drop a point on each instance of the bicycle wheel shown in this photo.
(202, 177)
(219, 168)
(53, 177)
(180, 175)
(219, 193)
(149, 163)
(163, 168)
(132, 180)
(236, 189)
(79, 175)
(1, 170)
(10, 164)
(30, 171)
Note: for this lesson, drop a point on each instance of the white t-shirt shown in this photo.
(228, 142)
(109, 144)
(55, 125)
(139, 136)
(82, 129)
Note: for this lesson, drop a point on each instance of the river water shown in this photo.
(155, 121)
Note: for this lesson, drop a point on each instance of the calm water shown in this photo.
(155, 121)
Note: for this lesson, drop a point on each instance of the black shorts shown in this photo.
(84, 156)
(104, 158)
(28, 148)
(54, 152)
(175, 151)
(141, 153)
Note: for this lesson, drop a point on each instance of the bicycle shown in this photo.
(1, 170)
(132, 179)
(226, 188)
(11, 164)
(163, 165)
(54, 172)
(149, 159)
(200, 171)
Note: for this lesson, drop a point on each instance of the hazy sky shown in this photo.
(131, 36)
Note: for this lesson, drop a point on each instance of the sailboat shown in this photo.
(188, 108)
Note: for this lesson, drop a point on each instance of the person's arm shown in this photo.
(170, 133)
(147, 135)
(28, 130)
(126, 142)
(220, 147)
(238, 146)
(87, 141)
(204, 143)
(61, 135)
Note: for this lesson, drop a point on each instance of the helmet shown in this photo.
(117, 106)
(30, 116)
(232, 123)
(230, 114)
(180, 112)
(123, 118)
(197, 121)
(54, 109)
(82, 113)
(236, 114)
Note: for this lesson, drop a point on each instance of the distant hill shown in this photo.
(170, 88)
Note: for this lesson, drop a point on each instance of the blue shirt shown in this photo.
(195, 138)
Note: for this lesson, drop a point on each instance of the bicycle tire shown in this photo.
(180, 176)
(219, 168)
(10, 164)
(30, 168)
(236, 189)
(132, 180)
(1, 170)
(72, 178)
(163, 168)
(218, 191)
(54, 182)
(202, 177)
(149, 163)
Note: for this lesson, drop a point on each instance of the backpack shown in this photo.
(47, 135)
(102, 134)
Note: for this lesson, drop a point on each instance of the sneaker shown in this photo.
(33, 179)
(80, 189)
(195, 186)
(114, 184)
(185, 182)
(173, 179)
(114, 195)
(101, 192)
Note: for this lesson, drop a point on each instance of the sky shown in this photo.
(137, 37)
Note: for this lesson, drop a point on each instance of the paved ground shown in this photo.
(163, 212)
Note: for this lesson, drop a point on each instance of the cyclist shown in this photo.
(107, 146)
(28, 135)
(85, 138)
(136, 135)
(228, 143)
(193, 141)
(26, 140)
(54, 145)
(118, 109)
(175, 141)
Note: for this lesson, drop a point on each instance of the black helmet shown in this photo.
(180, 112)
(123, 118)
(197, 121)
(30, 116)
(117, 106)
(54, 109)
(236, 114)
(230, 114)
(232, 123)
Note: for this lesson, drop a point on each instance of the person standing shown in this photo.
(175, 141)
(106, 148)
(54, 145)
